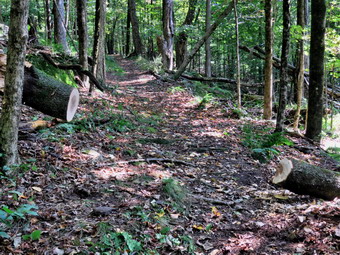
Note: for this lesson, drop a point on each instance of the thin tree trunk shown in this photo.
(128, 33)
(11, 104)
(59, 26)
(199, 44)
(238, 60)
(182, 38)
(268, 71)
(316, 77)
(98, 53)
(300, 63)
(82, 38)
(207, 42)
(284, 66)
(137, 41)
(48, 19)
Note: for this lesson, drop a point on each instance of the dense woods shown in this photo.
(193, 102)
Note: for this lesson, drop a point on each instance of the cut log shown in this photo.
(305, 179)
(48, 95)
(44, 93)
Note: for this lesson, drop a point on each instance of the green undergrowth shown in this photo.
(334, 152)
(263, 144)
(113, 67)
(65, 76)
(151, 229)
(154, 65)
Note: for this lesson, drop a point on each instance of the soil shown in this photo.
(144, 158)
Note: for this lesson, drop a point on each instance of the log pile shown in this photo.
(305, 179)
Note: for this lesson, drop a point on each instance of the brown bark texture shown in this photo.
(49, 96)
(11, 103)
(284, 66)
(168, 34)
(268, 69)
(82, 38)
(316, 77)
(137, 41)
(98, 54)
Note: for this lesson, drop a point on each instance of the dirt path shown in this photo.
(147, 171)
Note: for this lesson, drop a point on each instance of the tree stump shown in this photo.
(305, 179)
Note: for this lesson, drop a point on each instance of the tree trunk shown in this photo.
(128, 33)
(207, 42)
(59, 25)
(238, 60)
(98, 53)
(316, 77)
(268, 69)
(49, 96)
(48, 19)
(284, 66)
(11, 104)
(83, 41)
(168, 34)
(182, 38)
(199, 44)
(300, 63)
(305, 179)
(137, 41)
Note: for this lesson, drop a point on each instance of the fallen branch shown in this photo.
(150, 160)
(77, 68)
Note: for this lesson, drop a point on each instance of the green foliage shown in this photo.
(64, 76)
(261, 142)
(112, 66)
(176, 192)
(176, 89)
(334, 152)
(114, 242)
(9, 217)
(155, 65)
(34, 236)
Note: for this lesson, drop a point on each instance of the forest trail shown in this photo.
(147, 164)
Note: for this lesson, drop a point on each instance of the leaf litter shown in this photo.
(100, 189)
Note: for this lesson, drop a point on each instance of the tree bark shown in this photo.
(82, 37)
(207, 42)
(300, 63)
(182, 38)
(98, 54)
(137, 41)
(306, 179)
(48, 19)
(49, 96)
(199, 44)
(268, 69)
(284, 66)
(316, 78)
(128, 33)
(11, 104)
(238, 60)
(59, 25)
(168, 34)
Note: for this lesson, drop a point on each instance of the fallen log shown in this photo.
(45, 94)
(305, 179)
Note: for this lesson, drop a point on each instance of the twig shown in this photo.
(77, 68)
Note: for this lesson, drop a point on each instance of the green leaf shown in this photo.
(165, 230)
(35, 235)
(4, 235)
